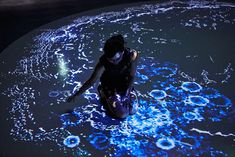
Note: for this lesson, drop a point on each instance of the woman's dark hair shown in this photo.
(113, 45)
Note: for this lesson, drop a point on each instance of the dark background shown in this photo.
(18, 17)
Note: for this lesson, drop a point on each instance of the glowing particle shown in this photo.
(211, 59)
(71, 141)
(158, 94)
(191, 87)
(165, 143)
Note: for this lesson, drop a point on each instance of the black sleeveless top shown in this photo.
(116, 76)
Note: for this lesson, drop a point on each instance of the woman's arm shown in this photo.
(134, 60)
(95, 75)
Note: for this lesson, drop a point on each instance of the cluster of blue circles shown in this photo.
(182, 103)
(198, 100)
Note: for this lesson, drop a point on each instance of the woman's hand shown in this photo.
(71, 98)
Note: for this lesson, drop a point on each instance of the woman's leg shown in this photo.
(114, 104)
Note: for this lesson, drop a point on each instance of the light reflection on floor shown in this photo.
(183, 109)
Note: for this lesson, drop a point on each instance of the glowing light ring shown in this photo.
(198, 100)
(158, 94)
(165, 143)
(191, 87)
(67, 121)
(99, 141)
(191, 116)
(165, 71)
(71, 141)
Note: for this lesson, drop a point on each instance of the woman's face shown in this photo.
(116, 58)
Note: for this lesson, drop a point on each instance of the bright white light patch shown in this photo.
(63, 70)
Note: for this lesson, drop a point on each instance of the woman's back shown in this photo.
(116, 76)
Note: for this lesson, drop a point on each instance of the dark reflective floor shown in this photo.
(184, 80)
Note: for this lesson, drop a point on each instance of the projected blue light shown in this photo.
(198, 100)
(158, 94)
(72, 141)
(191, 86)
(70, 119)
(173, 102)
(165, 71)
(99, 141)
(210, 93)
(165, 143)
(192, 116)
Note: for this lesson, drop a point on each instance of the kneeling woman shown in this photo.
(117, 67)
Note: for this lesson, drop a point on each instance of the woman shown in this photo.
(117, 67)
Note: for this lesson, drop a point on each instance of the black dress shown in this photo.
(116, 76)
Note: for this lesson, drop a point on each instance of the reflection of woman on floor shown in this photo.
(117, 66)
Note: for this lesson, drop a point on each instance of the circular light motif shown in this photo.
(198, 100)
(165, 71)
(99, 141)
(71, 141)
(144, 77)
(191, 86)
(71, 119)
(190, 115)
(165, 143)
(158, 94)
